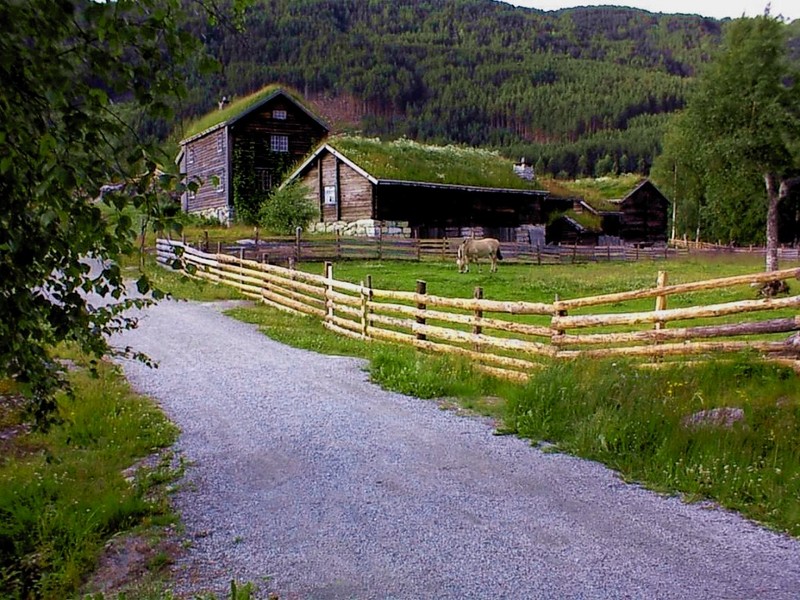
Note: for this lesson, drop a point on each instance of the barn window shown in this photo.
(221, 182)
(220, 144)
(190, 154)
(279, 143)
(279, 114)
(330, 194)
(263, 179)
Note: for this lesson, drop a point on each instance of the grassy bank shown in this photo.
(65, 492)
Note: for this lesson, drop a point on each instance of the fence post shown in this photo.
(538, 254)
(219, 247)
(297, 233)
(422, 289)
(380, 240)
(328, 292)
(419, 249)
(366, 296)
(478, 314)
(574, 252)
(661, 300)
(338, 245)
(205, 240)
(556, 332)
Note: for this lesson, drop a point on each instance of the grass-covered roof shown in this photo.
(598, 193)
(406, 160)
(238, 107)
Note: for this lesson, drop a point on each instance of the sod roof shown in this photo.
(405, 160)
(240, 107)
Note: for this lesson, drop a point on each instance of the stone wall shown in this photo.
(223, 214)
(364, 228)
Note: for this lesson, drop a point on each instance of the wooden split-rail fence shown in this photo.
(288, 250)
(512, 338)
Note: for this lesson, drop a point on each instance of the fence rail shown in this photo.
(286, 251)
(512, 338)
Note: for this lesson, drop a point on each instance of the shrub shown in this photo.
(286, 209)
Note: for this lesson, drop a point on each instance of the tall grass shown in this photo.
(63, 493)
(639, 422)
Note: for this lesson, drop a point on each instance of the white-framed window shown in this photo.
(221, 182)
(330, 194)
(190, 155)
(279, 143)
(279, 115)
(220, 144)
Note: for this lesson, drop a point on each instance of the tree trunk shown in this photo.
(773, 196)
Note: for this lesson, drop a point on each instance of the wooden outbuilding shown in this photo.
(368, 187)
(643, 215)
(253, 141)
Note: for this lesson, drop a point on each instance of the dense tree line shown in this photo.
(587, 82)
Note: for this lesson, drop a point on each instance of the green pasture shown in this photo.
(545, 283)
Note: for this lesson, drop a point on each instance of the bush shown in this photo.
(286, 209)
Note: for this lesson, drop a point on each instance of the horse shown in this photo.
(472, 250)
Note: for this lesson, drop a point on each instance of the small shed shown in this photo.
(643, 215)
(368, 187)
(246, 147)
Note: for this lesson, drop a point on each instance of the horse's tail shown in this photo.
(499, 254)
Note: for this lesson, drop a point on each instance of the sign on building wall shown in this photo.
(330, 194)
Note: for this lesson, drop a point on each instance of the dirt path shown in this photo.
(313, 483)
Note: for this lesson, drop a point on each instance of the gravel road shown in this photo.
(316, 484)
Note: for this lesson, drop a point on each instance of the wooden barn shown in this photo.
(252, 142)
(638, 218)
(368, 187)
(643, 215)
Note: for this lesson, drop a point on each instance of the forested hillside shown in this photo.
(579, 90)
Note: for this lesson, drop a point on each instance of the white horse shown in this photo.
(472, 250)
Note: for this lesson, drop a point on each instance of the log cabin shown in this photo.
(251, 142)
(403, 188)
(643, 215)
(638, 218)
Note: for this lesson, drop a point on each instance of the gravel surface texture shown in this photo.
(311, 482)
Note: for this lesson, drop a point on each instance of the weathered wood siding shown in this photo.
(212, 155)
(351, 190)
(204, 158)
(355, 194)
(644, 215)
(310, 181)
(258, 127)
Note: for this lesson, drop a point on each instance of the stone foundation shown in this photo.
(364, 228)
(223, 214)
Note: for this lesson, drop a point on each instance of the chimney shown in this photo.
(523, 169)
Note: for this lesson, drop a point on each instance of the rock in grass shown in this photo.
(725, 416)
